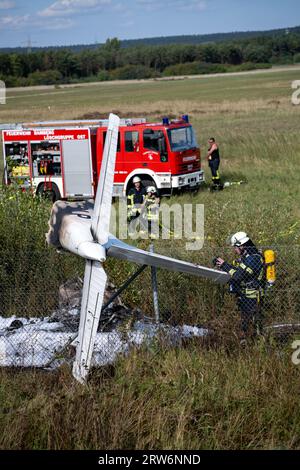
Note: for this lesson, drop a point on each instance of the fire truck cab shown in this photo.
(63, 159)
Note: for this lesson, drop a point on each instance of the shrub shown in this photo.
(129, 72)
(193, 68)
(248, 66)
(297, 58)
(49, 77)
(103, 75)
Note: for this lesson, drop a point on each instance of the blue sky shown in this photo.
(63, 22)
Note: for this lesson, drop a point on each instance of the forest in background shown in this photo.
(113, 61)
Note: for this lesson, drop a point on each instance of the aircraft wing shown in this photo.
(102, 208)
(91, 305)
(118, 249)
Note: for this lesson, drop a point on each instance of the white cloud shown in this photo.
(197, 5)
(181, 5)
(57, 16)
(7, 4)
(59, 25)
(15, 23)
(121, 8)
(127, 24)
(71, 7)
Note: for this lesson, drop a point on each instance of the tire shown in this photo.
(50, 192)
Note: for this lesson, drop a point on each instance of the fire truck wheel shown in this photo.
(50, 192)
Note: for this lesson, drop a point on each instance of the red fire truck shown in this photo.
(63, 159)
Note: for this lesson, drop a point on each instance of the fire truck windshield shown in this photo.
(182, 139)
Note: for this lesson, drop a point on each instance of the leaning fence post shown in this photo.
(154, 288)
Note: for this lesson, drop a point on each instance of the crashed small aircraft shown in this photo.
(83, 228)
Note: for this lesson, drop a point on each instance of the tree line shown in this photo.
(110, 61)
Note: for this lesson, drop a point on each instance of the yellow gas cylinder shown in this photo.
(269, 256)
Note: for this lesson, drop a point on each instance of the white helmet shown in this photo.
(239, 239)
(136, 179)
(151, 189)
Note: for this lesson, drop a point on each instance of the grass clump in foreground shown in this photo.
(159, 399)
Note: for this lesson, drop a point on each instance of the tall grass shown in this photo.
(30, 272)
(160, 399)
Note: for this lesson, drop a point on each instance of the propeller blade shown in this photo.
(102, 208)
(92, 300)
(118, 249)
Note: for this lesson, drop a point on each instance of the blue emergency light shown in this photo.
(185, 118)
(165, 121)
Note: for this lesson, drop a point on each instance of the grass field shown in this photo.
(190, 398)
(251, 117)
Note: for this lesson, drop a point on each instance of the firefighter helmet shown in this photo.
(151, 189)
(136, 179)
(239, 239)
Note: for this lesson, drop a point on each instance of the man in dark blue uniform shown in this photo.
(247, 283)
(135, 199)
(135, 205)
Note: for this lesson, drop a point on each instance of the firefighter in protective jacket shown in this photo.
(247, 282)
(135, 199)
(151, 211)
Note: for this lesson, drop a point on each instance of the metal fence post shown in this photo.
(154, 288)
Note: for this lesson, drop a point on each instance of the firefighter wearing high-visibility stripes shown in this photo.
(213, 157)
(151, 211)
(247, 283)
(135, 199)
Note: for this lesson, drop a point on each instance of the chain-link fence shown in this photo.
(40, 311)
